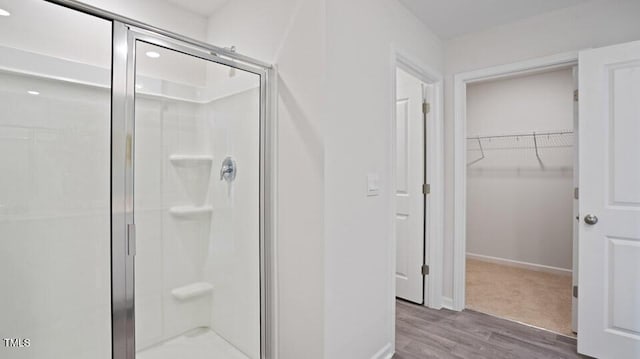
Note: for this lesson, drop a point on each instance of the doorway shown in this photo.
(604, 279)
(417, 182)
(517, 255)
(412, 114)
(520, 181)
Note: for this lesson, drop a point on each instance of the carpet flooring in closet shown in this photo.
(540, 299)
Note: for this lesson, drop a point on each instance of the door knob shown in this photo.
(590, 219)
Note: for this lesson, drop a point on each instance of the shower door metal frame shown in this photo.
(125, 37)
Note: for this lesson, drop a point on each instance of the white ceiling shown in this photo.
(200, 7)
(451, 18)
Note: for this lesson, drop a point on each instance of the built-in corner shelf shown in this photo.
(190, 160)
(190, 211)
(192, 290)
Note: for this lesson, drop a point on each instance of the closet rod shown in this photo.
(522, 135)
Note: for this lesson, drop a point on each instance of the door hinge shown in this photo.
(576, 193)
(426, 188)
(576, 95)
(575, 291)
(425, 269)
(426, 107)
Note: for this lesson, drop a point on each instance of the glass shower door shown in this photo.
(196, 175)
(55, 67)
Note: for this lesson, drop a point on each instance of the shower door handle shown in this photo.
(131, 239)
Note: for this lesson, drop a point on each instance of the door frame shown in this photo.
(123, 224)
(434, 207)
(461, 80)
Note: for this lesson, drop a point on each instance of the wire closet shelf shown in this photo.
(479, 147)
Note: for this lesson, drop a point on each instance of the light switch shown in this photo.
(373, 185)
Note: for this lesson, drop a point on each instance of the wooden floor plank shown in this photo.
(423, 333)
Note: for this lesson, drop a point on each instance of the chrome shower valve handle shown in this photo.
(228, 170)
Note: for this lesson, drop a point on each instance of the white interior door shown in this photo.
(609, 261)
(409, 196)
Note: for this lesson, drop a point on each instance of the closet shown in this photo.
(520, 198)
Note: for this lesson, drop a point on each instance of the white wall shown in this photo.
(334, 243)
(594, 24)
(516, 209)
(265, 27)
(29, 16)
(158, 13)
(30, 19)
(291, 34)
(359, 294)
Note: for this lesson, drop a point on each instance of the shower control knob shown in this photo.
(590, 219)
(228, 170)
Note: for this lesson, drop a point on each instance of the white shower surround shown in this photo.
(84, 127)
(218, 246)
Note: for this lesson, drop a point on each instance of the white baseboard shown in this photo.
(519, 264)
(385, 353)
(447, 303)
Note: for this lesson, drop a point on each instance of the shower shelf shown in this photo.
(190, 160)
(192, 290)
(190, 211)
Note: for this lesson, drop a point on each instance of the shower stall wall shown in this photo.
(134, 217)
(197, 263)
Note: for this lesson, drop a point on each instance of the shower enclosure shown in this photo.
(133, 197)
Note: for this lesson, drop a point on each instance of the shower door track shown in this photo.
(125, 33)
